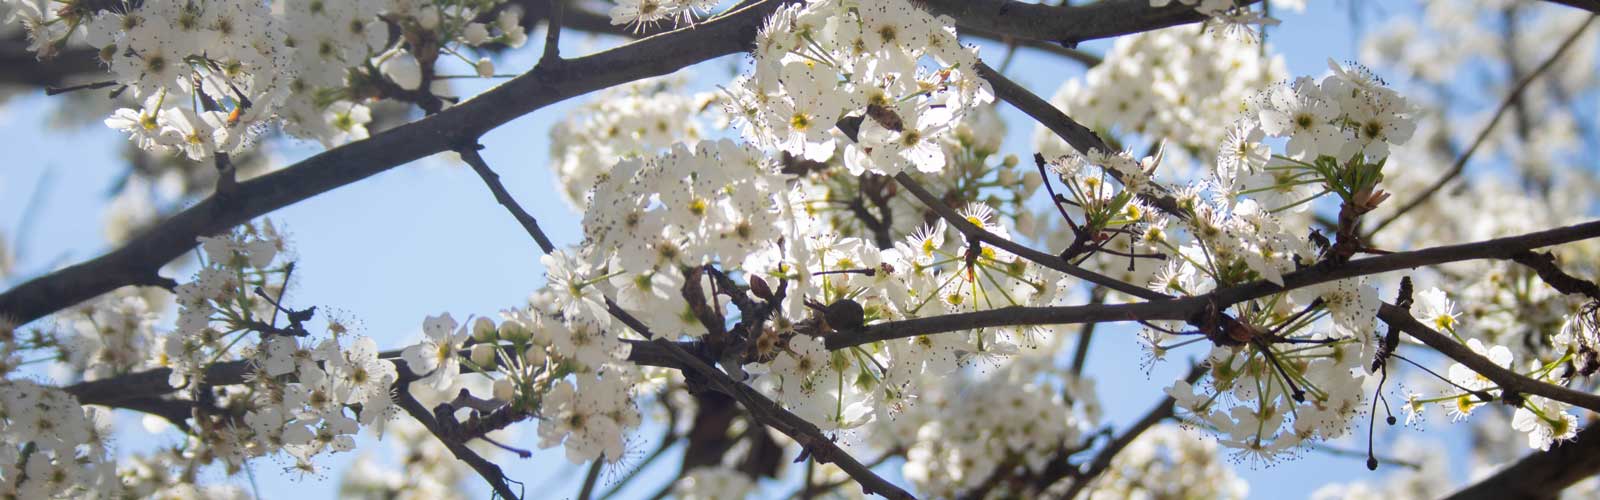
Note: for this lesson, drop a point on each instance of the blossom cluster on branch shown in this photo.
(834, 241)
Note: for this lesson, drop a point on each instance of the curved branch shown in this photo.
(1541, 474)
(152, 383)
(1102, 460)
(137, 261)
(1589, 5)
(972, 231)
(1067, 25)
(1483, 134)
(1069, 130)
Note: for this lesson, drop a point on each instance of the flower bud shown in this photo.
(1007, 175)
(483, 330)
(403, 70)
(503, 390)
(485, 67)
(1030, 182)
(475, 34)
(509, 20)
(483, 355)
(534, 356)
(514, 331)
(1009, 161)
(428, 18)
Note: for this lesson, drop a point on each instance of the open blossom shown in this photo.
(574, 295)
(436, 356)
(1459, 374)
(1437, 310)
(888, 66)
(1546, 421)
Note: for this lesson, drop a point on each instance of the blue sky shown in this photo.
(428, 238)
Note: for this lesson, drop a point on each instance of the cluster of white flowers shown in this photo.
(112, 335)
(1350, 112)
(1464, 390)
(970, 427)
(639, 245)
(210, 76)
(168, 473)
(1277, 379)
(426, 469)
(654, 217)
(640, 119)
(544, 362)
(316, 413)
(896, 68)
(1168, 461)
(1179, 84)
(218, 303)
(305, 398)
(841, 95)
(714, 483)
(51, 446)
(641, 13)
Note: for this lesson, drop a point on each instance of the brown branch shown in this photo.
(1074, 133)
(1541, 474)
(153, 383)
(1545, 265)
(470, 155)
(1102, 460)
(1511, 383)
(137, 261)
(552, 33)
(1051, 261)
(490, 472)
(1483, 134)
(769, 413)
(1067, 25)
(1589, 5)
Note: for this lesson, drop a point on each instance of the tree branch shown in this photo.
(471, 156)
(1051, 261)
(1483, 134)
(1067, 25)
(137, 261)
(490, 472)
(1541, 474)
(1102, 460)
(1074, 133)
(1589, 5)
(772, 415)
(1512, 384)
(1544, 264)
(141, 257)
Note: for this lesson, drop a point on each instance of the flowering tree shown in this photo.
(827, 260)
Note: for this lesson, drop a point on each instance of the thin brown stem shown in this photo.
(1460, 164)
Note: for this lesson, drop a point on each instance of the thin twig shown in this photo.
(1511, 383)
(552, 33)
(1051, 261)
(1102, 460)
(490, 472)
(1483, 134)
(491, 179)
(590, 478)
(51, 90)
